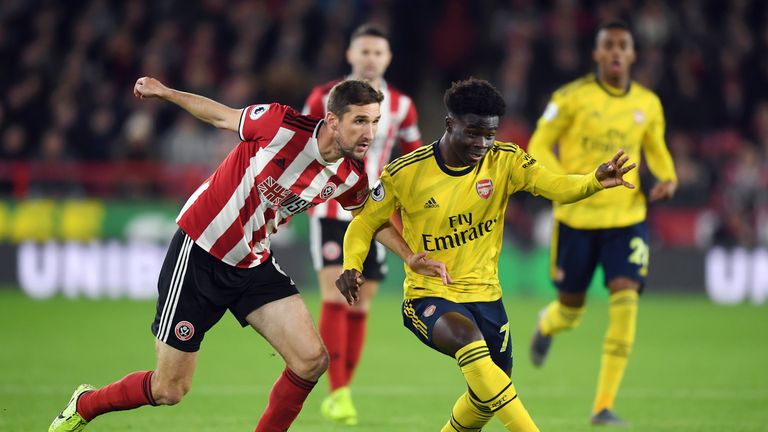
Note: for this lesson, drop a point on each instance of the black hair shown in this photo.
(352, 92)
(613, 25)
(369, 29)
(474, 96)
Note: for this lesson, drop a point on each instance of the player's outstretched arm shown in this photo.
(207, 110)
(611, 174)
(349, 284)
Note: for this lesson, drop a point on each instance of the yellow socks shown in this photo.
(493, 387)
(468, 415)
(617, 346)
(558, 317)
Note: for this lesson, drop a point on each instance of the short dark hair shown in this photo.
(615, 24)
(474, 96)
(369, 29)
(352, 92)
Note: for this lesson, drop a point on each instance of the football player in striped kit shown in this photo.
(220, 257)
(343, 327)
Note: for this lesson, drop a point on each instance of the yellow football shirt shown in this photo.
(586, 123)
(456, 214)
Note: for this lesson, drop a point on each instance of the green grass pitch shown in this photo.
(696, 367)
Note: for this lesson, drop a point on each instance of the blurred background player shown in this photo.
(343, 327)
(586, 121)
(453, 196)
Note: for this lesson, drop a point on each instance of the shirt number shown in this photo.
(640, 254)
(505, 330)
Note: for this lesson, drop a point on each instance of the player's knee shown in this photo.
(313, 363)
(171, 393)
(622, 283)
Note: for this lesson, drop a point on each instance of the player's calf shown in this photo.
(553, 319)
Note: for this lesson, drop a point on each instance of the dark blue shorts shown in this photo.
(622, 252)
(420, 316)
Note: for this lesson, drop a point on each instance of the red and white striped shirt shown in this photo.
(398, 123)
(275, 172)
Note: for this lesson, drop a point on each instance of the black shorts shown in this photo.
(326, 241)
(195, 289)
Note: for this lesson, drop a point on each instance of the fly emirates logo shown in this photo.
(464, 231)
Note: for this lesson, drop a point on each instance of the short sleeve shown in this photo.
(259, 121)
(356, 196)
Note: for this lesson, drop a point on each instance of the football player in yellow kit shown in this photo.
(452, 196)
(585, 121)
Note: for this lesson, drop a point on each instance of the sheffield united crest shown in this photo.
(484, 188)
(328, 191)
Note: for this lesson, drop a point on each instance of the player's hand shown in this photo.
(663, 190)
(349, 285)
(611, 173)
(148, 87)
(422, 265)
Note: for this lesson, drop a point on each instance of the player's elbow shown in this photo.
(227, 119)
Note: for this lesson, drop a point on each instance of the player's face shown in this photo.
(614, 53)
(369, 57)
(353, 133)
(470, 136)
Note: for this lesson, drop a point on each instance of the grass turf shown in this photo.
(696, 367)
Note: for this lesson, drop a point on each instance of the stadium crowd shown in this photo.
(65, 87)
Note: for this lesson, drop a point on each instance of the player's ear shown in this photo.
(349, 55)
(448, 124)
(332, 120)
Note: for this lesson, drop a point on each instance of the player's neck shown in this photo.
(448, 157)
(326, 145)
(619, 82)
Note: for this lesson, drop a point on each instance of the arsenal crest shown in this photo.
(484, 188)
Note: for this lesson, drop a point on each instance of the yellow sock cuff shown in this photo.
(624, 297)
(471, 352)
(558, 317)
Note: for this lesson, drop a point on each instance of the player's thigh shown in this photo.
(440, 324)
(575, 254)
(287, 325)
(184, 311)
(491, 318)
(624, 255)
